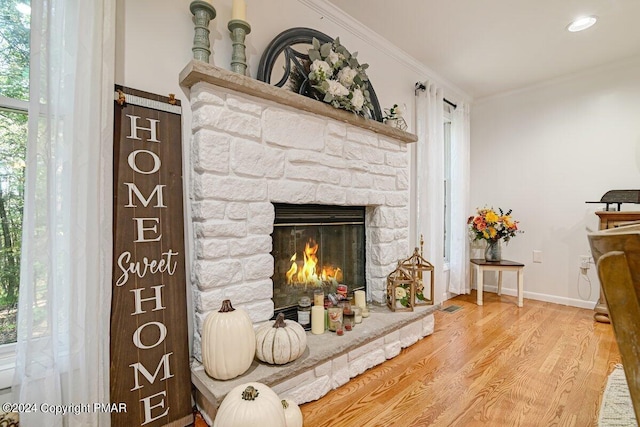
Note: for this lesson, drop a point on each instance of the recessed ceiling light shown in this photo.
(582, 23)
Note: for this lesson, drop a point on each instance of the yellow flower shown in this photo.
(491, 217)
(507, 221)
(492, 225)
(400, 292)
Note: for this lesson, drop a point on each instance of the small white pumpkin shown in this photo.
(250, 405)
(292, 413)
(228, 342)
(280, 341)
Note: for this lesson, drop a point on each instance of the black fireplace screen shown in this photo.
(316, 247)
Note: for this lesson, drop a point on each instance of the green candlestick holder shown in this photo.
(203, 13)
(239, 30)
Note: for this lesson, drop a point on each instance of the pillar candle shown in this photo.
(358, 312)
(317, 320)
(239, 10)
(365, 311)
(360, 297)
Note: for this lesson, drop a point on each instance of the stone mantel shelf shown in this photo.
(199, 71)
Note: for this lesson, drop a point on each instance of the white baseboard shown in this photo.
(544, 297)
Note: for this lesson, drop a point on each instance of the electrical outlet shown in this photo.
(537, 256)
(585, 262)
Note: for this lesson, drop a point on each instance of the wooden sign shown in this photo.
(149, 345)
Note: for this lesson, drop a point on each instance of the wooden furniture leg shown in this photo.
(520, 287)
(471, 270)
(480, 283)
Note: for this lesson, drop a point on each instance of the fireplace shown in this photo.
(316, 247)
(257, 149)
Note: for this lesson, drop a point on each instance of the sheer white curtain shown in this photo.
(430, 176)
(63, 316)
(459, 255)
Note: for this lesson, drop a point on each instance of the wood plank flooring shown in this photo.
(496, 365)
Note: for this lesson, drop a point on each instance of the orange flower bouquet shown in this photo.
(492, 226)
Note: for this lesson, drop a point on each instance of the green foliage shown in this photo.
(325, 49)
(314, 54)
(14, 83)
(13, 135)
(14, 50)
(336, 77)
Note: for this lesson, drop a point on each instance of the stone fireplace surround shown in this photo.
(253, 145)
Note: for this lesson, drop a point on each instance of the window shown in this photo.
(14, 95)
(447, 183)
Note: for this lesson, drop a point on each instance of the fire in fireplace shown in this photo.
(316, 247)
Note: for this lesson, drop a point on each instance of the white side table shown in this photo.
(480, 266)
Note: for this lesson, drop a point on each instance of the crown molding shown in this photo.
(345, 21)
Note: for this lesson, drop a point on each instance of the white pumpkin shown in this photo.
(250, 405)
(280, 341)
(228, 342)
(292, 413)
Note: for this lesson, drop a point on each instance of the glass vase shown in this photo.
(493, 251)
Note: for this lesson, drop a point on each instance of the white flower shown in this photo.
(333, 57)
(336, 80)
(357, 99)
(321, 69)
(336, 89)
(346, 75)
(400, 292)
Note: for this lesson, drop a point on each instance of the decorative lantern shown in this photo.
(400, 289)
(406, 284)
(418, 266)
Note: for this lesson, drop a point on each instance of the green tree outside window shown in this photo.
(14, 86)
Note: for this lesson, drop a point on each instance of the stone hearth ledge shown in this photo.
(199, 71)
(329, 362)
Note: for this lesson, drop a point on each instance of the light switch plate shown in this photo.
(537, 256)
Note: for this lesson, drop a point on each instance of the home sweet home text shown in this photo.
(149, 368)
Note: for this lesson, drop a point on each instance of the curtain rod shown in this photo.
(419, 86)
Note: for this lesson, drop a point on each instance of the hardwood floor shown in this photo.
(495, 365)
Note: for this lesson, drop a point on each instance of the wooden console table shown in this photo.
(611, 219)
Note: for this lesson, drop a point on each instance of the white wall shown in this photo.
(543, 152)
